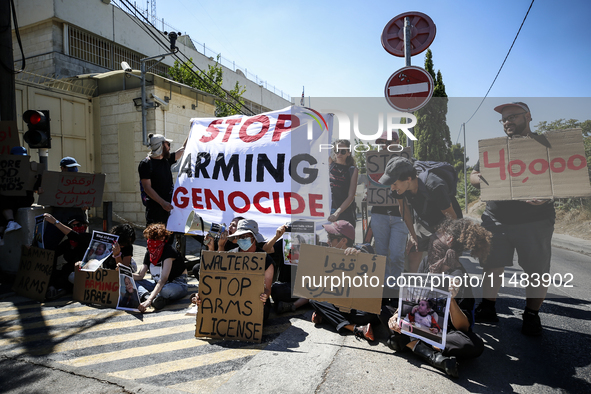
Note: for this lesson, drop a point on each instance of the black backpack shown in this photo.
(441, 168)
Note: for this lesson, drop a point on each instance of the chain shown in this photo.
(128, 221)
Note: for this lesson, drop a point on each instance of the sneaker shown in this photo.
(159, 302)
(485, 314)
(364, 332)
(532, 326)
(283, 307)
(12, 226)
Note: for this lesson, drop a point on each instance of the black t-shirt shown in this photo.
(432, 197)
(390, 210)
(158, 172)
(178, 265)
(516, 212)
(110, 263)
(74, 254)
(340, 181)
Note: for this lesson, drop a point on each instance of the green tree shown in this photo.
(457, 154)
(560, 124)
(210, 81)
(432, 132)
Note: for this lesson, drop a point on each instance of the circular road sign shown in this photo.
(422, 34)
(409, 89)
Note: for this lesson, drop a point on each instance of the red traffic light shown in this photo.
(38, 134)
(33, 117)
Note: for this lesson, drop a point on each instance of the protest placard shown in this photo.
(14, 175)
(72, 189)
(230, 285)
(39, 229)
(99, 287)
(269, 168)
(8, 136)
(349, 282)
(424, 308)
(34, 272)
(552, 165)
(129, 299)
(300, 232)
(375, 164)
(99, 249)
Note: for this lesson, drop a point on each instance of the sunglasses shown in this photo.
(342, 151)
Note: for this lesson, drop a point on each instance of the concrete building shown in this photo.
(73, 51)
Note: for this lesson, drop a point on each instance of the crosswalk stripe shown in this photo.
(64, 320)
(203, 386)
(135, 352)
(101, 327)
(189, 363)
(44, 313)
(106, 339)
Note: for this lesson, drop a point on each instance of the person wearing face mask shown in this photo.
(73, 250)
(247, 237)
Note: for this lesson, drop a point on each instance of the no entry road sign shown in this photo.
(409, 89)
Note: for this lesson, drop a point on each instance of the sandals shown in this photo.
(364, 332)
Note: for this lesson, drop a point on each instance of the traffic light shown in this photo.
(38, 134)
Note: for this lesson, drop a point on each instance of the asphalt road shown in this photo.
(64, 346)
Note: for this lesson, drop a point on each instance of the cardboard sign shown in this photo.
(375, 164)
(349, 282)
(34, 271)
(72, 189)
(230, 285)
(552, 165)
(14, 175)
(8, 136)
(99, 287)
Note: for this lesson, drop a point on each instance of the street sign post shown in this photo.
(409, 89)
(422, 34)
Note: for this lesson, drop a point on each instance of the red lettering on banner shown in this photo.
(243, 196)
(184, 201)
(301, 203)
(257, 204)
(519, 163)
(500, 164)
(196, 198)
(276, 204)
(562, 163)
(280, 127)
(314, 206)
(214, 131)
(219, 202)
(263, 120)
(532, 166)
(571, 162)
(231, 123)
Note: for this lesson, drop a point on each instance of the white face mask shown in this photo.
(244, 243)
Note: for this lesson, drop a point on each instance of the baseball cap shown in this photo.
(155, 142)
(77, 218)
(384, 136)
(518, 104)
(69, 162)
(395, 167)
(341, 227)
(19, 150)
(247, 226)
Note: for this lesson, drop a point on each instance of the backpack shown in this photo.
(441, 168)
(143, 193)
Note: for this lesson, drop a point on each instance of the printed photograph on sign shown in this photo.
(299, 232)
(39, 229)
(101, 247)
(129, 299)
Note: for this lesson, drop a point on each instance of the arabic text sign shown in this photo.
(349, 282)
(99, 287)
(550, 166)
(14, 175)
(375, 164)
(34, 271)
(230, 285)
(72, 189)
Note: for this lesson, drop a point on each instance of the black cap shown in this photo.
(77, 218)
(395, 167)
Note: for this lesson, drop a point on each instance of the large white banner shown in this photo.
(272, 168)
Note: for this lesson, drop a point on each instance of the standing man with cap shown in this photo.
(525, 226)
(156, 178)
(69, 164)
(388, 228)
(431, 195)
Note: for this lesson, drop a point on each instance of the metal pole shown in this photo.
(465, 172)
(407, 51)
(144, 104)
(107, 215)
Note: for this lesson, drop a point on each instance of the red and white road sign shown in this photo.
(409, 89)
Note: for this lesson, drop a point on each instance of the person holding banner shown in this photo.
(525, 226)
(343, 183)
(167, 267)
(445, 248)
(156, 178)
(341, 235)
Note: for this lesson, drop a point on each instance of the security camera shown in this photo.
(125, 67)
(160, 101)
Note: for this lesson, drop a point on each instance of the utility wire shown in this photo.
(493, 82)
